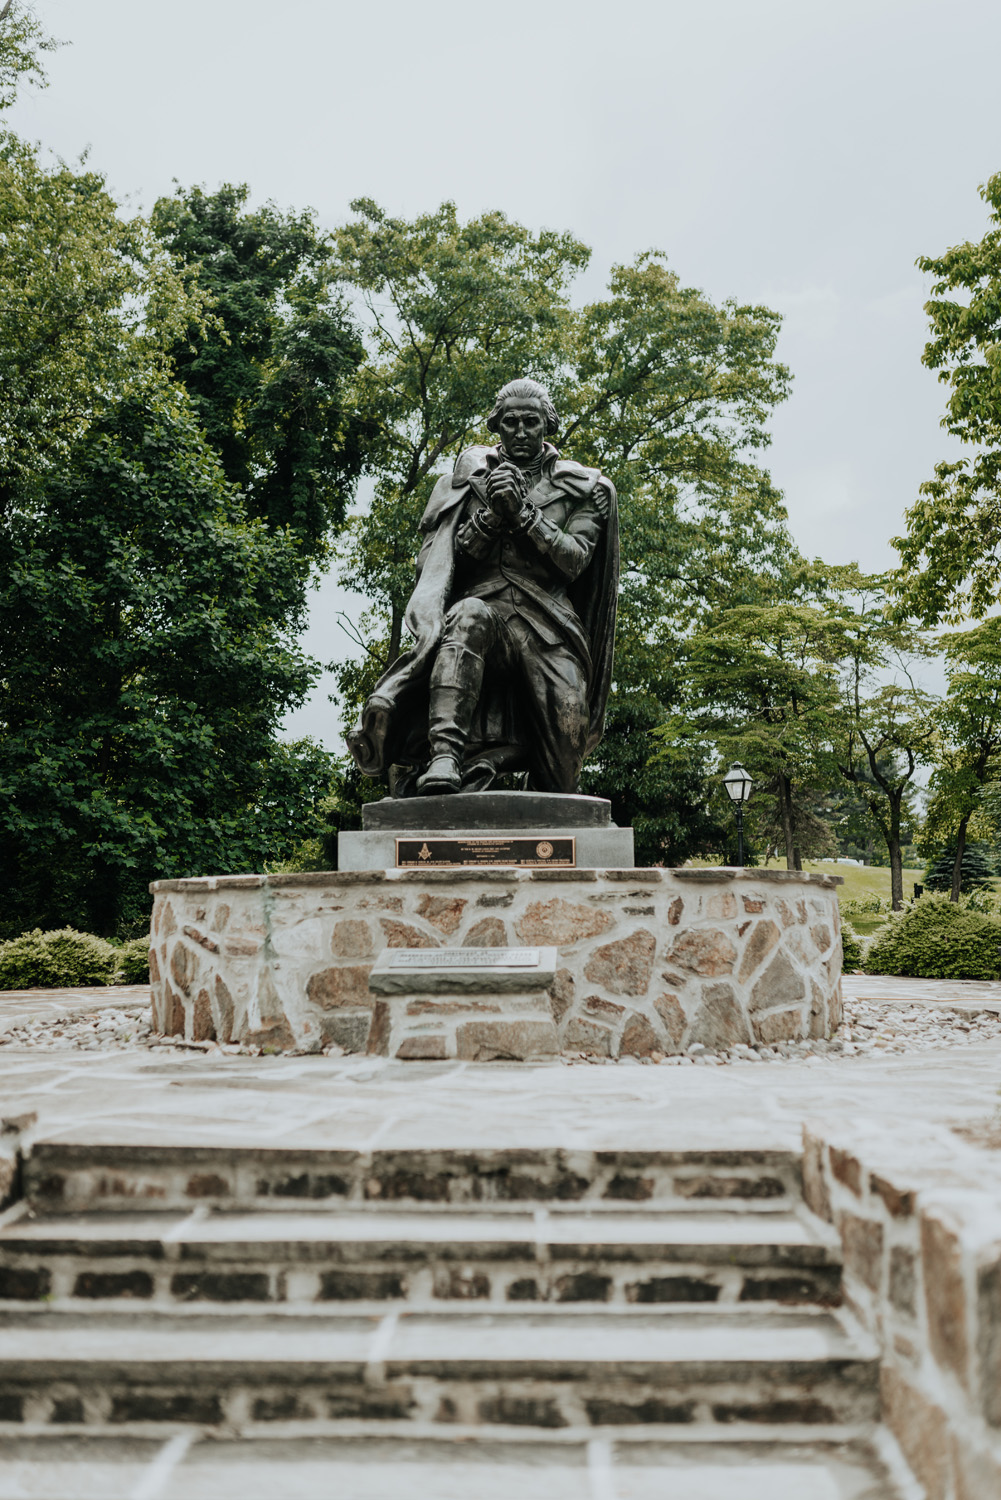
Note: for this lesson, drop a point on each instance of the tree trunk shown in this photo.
(957, 869)
(896, 855)
(797, 859)
(785, 813)
(395, 636)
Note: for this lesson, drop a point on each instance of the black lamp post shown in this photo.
(738, 788)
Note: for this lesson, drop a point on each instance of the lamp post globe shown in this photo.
(738, 783)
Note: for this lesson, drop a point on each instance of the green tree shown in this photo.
(949, 556)
(764, 687)
(977, 870)
(451, 311)
(147, 635)
(670, 396)
(268, 369)
(969, 747)
(857, 835)
(660, 790)
(886, 728)
(668, 393)
(147, 627)
(21, 40)
(87, 303)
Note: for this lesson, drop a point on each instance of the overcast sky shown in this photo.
(790, 152)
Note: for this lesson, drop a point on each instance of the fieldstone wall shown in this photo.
(651, 960)
(920, 1224)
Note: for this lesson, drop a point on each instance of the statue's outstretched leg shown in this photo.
(456, 681)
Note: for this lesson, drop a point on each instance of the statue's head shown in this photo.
(523, 417)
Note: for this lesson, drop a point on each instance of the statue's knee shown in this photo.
(471, 621)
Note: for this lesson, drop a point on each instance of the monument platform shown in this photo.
(528, 829)
(648, 962)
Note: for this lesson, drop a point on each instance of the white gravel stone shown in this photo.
(869, 1029)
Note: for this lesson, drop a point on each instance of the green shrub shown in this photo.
(56, 960)
(851, 945)
(983, 899)
(936, 939)
(133, 962)
(867, 905)
(978, 869)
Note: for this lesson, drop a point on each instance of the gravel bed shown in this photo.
(869, 1029)
(116, 1030)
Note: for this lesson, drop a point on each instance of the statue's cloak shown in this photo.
(393, 726)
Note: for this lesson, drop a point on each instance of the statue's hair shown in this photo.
(524, 390)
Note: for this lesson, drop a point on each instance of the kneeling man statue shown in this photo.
(513, 619)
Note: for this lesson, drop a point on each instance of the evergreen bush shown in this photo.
(852, 949)
(133, 962)
(61, 959)
(977, 870)
(937, 939)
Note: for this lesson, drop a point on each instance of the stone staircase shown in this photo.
(607, 1326)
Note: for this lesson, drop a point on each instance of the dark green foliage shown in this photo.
(978, 869)
(133, 962)
(146, 631)
(662, 794)
(266, 370)
(949, 556)
(341, 808)
(57, 960)
(937, 939)
(852, 950)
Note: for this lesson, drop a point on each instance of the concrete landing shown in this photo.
(464, 1468)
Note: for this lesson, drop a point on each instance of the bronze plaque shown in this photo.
(430, 853)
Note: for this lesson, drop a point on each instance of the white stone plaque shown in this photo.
(465, 958)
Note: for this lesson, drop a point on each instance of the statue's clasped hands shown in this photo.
(506, 492)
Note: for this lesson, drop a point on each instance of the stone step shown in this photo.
(79, 1175)
(610, 1256)
(427, 1468)
(548, 1369)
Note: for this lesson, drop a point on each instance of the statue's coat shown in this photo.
(393, 726)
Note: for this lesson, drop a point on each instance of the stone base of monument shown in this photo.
(479, 1004)
(649, 961)
(531, 829)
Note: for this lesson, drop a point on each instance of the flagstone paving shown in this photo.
(361, 1102)
(17, 1007)
(917, 1059)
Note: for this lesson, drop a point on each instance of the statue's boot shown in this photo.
(455, 691)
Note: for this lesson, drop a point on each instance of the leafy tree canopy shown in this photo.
(87, 303)
(968, 745)
(665, 391)
(951, 554)
(21, 40)
(140, 698)
(267, 369)
(451, 311)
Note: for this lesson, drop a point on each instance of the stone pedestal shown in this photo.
(482, 1012)
(547, 817)
(649, 961)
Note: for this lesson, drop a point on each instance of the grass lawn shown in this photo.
(859, 880)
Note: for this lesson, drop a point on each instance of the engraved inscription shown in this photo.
(465, 958)
(423, 854)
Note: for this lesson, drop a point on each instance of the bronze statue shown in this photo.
(513, 619)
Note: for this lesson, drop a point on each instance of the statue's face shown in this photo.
(522, 430)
